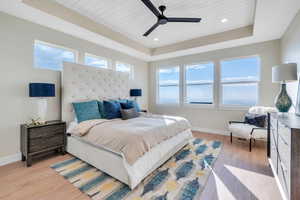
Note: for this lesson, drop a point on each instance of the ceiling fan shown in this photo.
(162, 19)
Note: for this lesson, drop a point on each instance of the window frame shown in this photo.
(238, 107)
(75, 52)
(157, 101)
(184, 86)
(131, 74)
(97, 57)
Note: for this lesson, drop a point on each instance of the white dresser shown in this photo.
(284, 152)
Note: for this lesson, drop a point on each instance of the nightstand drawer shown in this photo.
(46, 131)
(39, 144)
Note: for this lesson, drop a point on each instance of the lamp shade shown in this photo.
(41, 90)
(284, 72)
(136, 92)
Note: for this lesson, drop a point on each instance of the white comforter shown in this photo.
(131, 138)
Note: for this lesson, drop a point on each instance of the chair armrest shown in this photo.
(236, 122)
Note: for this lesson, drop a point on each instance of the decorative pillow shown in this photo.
(86, 110)
(255, 119)
(123, 100)
(129, 113)
(101, 109)
(112, 109)
(135, 105)
(127, 105)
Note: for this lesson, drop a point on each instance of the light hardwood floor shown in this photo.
(237, 174)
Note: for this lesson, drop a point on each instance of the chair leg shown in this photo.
(231, 137)
(250, 143)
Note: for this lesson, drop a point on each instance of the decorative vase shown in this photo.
(283, 102)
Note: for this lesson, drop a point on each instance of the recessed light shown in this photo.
(224, 20)
(155, 39)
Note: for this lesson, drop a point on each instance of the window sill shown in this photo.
(167, 105)
(234, 108)
(200, 106)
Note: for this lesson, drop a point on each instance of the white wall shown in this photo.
(16, 71)
(215, 119)
(290, 52)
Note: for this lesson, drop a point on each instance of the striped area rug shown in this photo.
(182, 177)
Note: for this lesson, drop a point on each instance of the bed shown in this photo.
(80, 83)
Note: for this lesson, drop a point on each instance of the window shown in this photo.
(168, 85)
(123, 67)
(199, 83)
(239, 81)
(49, 56)
(95, 61)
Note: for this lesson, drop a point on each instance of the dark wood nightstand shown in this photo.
(36, 140)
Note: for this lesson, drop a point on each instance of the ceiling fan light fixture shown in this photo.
(156, 39)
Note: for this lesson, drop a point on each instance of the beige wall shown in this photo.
(215, 119)
(290, 52)
(16, 71)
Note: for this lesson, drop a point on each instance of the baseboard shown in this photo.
(277, 180)
(213, 131)
(10, 159)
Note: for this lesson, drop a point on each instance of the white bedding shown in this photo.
(131, 138)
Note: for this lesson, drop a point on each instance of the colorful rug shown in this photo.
(182, 177)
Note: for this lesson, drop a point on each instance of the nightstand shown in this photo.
(36, 140)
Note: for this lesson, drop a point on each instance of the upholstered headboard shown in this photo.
(81, 83)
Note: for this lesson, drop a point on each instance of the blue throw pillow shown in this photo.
(127, 105)
(112, 109)
(101, 109)
(86, 110)
(122, 100)
(135, 105)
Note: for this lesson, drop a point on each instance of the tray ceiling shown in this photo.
(131, 18)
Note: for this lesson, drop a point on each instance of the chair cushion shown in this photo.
(243, 130)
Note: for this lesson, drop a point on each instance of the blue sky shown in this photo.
(244, 69)
(51, 58)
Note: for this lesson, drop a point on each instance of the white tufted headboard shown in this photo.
(81, 83)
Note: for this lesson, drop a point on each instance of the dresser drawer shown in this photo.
(274, 154)
(46, 131)
(284, 151)
(273, 123)
(40, 144)
(284, 132)
(284, 177)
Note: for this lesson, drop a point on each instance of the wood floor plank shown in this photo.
(237, 174)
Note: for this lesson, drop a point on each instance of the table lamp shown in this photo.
(284, 73)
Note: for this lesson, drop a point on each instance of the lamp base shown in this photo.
(283, 102)
(42, 110)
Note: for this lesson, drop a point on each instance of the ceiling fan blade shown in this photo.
(149, 4)
(151, 29)
(176, 19)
